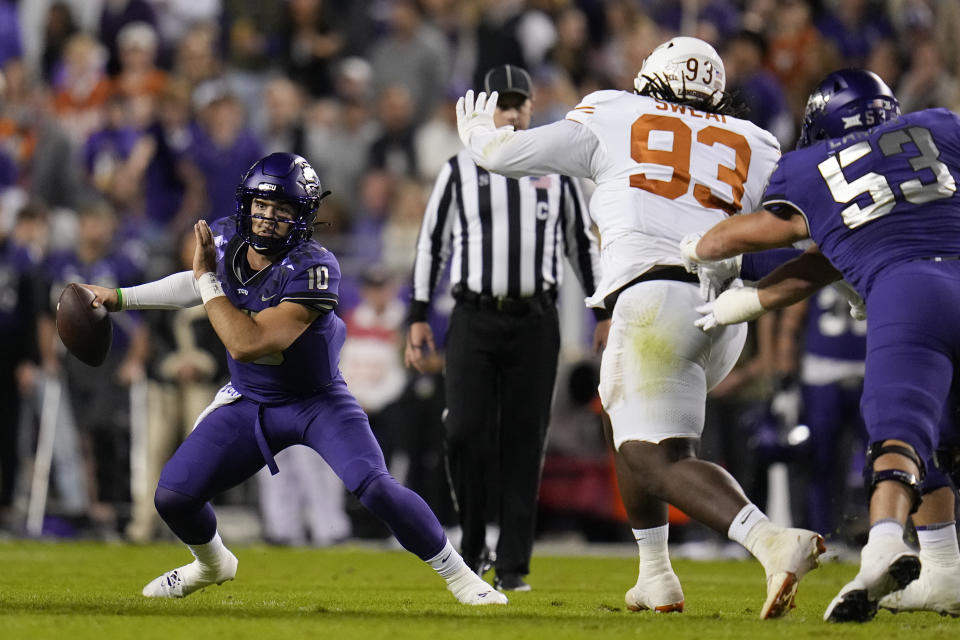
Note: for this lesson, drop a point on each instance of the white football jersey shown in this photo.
(662, 170)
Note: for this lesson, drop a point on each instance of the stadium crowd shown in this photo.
(122, 122)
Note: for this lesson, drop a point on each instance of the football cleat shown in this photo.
(789, 555)
(660, 593)
(184, 580)
(937, 589)
(468, 588)
(886, 566)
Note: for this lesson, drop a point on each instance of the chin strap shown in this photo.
(872, 478)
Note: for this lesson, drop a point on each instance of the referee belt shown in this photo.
(537, 303)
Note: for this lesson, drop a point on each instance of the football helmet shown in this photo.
(846, 101)
(284, 177)
(689, 66)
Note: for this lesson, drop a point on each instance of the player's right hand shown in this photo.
(733, 306)
(419, 346)
(106, 297)
(475, 114)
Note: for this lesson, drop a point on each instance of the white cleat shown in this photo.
(184, 580)
(790, 554)
(660, 593)
(469, 588)
(937, 589)
(886, 566)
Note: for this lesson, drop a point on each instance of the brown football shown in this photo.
(85, 330)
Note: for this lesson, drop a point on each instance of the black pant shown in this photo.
(500, 372)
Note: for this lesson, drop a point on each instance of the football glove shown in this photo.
(475, 115)
(733, 306)
(715, 277)
(688, 251)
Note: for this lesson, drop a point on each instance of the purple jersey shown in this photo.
(877, 198)
(308, 275)
(831, 332)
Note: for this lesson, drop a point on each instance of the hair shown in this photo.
(729, 104)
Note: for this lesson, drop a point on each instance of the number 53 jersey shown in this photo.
(664, 170)
(877, 198)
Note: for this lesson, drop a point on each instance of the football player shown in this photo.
(670, 159)
(876, 192)
(269, 291)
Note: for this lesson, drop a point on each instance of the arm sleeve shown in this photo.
(434, 239)
(176, 291)
(565, 147)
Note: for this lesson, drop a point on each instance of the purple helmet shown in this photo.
(285, 177)
(846, 101)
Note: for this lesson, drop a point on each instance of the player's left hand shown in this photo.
(688, 251)
(473, 115)
(205, 254)
(733, 306)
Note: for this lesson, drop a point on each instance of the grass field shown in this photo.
(84, 591)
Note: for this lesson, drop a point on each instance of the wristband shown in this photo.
(119, 300)
(209, 287)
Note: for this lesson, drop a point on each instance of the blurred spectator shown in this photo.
(178, 20)
(197, 58)
(312, 44)
(222, 149)
(338, 145)
(745, 63)
(58, 28)
(280, 125)
(394, 151)
(926, 83)
(854, 27)
(510, 32)
(108, 148)
(413, 55)
(116, 16)
(101, 403)
(137, 73)
(401, 228)
(437, 140)
(82, 87)
(366, 229)
(799, 55)
(570, 51)
(17, 349)
(305, 504)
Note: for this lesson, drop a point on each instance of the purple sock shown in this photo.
(408, 516)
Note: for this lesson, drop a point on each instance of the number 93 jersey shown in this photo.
(664, 170)
(878, 197)
(308, 274)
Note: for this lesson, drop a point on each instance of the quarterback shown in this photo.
(269, 291)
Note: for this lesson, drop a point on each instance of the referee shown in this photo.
(506, 238)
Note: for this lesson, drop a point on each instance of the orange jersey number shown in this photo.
(678, 159)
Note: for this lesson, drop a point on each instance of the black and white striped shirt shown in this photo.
(506, 237)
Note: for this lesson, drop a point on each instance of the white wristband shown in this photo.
(209, 287)
(738, 305)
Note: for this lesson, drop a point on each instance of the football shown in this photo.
(86, 331)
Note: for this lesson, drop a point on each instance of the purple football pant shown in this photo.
(913, 346)
(222, 452)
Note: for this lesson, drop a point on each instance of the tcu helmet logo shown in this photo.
(312, 185)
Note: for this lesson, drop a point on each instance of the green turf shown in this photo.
(80, 591)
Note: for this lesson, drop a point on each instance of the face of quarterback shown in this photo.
(515, 110)
(272, 218)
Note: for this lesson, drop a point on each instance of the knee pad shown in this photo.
(947, 460)
(172, 502)
(912, 482)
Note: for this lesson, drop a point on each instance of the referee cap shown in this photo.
(508, 78)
